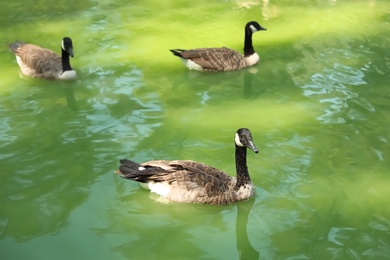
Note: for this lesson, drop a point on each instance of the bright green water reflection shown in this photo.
(318, 107)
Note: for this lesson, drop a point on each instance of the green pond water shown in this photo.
(318, 106)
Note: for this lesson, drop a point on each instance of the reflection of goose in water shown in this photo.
(249, 92)
(64, 90)
(194, 182)
(70, 98)
(244, 247)
(210, 84)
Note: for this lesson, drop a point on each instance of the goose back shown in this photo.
(212, 59)
(35, 61)
(186, 181)
(222, 59)
(195, 182)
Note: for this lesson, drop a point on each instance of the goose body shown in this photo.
(222, 59)
(195, 182)
(38, 62)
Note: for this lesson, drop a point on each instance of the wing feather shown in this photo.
(38, 59)
(186, 174)
(185, 180)
(215, 59)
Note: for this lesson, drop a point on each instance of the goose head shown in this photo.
(253, 27)
(243, 138)
(67, 45)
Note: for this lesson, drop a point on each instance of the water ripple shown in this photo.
(333, 87)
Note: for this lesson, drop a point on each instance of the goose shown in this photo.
(37, 62)
(222, 59)
(195, 182)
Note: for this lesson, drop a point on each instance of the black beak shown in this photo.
(253, 147)
(70, 51)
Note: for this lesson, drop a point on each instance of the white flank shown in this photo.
(159, 188)
(237, 140)
(144, 185)
(252, 60)
(19, 61)
(191, 65)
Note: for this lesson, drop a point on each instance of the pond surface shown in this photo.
(318, 106)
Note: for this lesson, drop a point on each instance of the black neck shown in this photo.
(241, 168)
(248, 47)
(65, 61)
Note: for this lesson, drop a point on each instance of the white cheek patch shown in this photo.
(237, 140)
(253, 28)
(141, 168)
(62, 45)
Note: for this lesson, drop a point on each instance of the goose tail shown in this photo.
(15, 45)
(177, 52)
(127, 168)
(134, 171)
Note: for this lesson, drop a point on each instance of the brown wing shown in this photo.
(39, 59)
(201, 168)
(187, 181)
(215, 59)
(190, 176)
